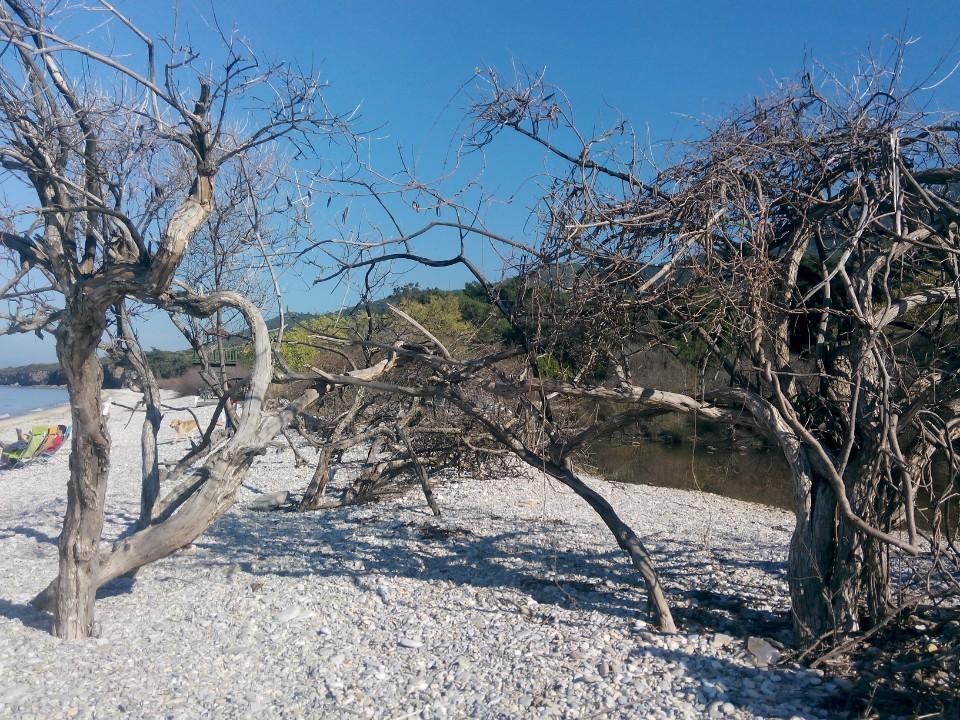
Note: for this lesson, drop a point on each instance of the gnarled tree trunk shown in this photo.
(77, 341)
(839, 577)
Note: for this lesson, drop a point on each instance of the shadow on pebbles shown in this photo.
(516, 602)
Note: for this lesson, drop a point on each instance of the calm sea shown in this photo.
(16, 400)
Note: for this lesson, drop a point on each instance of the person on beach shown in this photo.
(20, 439)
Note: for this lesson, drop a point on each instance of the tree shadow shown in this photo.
(710, 611)
(734, 606)
(26, 614)
(775, 692)
(368, 547)
(122, 585)
(38, 535)
(350, 542)
(426, 550)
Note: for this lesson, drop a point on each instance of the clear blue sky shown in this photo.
(653, 62)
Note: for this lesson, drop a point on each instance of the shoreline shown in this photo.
(55, 414)
(33, 416)
(38, 385)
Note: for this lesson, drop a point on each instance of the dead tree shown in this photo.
(530, 430)
(806, 249)
(91, 158)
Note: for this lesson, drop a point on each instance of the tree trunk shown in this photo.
(221, 473)
(77, 340)
(839, 577)
(149, 460)
(421, 471)
(150, 463)
(313, 496)
(626, 538)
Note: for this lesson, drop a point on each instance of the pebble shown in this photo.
(474, 625)
(763, 651)
(289, 613)
(720, 640)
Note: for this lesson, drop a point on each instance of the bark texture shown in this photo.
(79, 541)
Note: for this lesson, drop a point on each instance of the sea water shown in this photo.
(18, 400)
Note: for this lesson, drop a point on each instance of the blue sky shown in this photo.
(656, 63)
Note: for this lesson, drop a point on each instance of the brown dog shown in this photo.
(184, 428)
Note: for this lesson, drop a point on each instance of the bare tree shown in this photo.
(807, 246)
(90, 147)
(806, 249)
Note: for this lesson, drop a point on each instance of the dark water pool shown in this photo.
(755, 475)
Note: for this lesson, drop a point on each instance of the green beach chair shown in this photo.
(25, 449)
(42, 441)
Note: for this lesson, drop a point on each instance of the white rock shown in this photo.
(270, 501)
(288, 613)
(763, 651)
(720, 640)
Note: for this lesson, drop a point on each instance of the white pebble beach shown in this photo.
(515, 602)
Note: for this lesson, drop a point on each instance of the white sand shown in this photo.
(522, 607)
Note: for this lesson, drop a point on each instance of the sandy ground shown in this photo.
(516, 602)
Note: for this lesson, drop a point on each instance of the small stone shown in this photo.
(270, 501)
(288, 614)
(728, 708)
(11, 695)
(932, 647)
(763, 651)
(714, 710)
(409, 643)
(720, 640)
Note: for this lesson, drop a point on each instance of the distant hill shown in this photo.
(166, 364)
(290, 319)
(34, 374)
